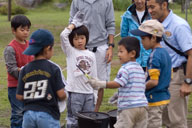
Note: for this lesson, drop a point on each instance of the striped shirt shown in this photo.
(131, 94)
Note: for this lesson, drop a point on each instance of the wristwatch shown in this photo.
(111, 44)
(188, 81)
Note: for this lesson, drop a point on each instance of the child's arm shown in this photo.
(59, 83)
(61, 94)
(64, 36)
(20, 87)
(154, 78)
(10, 61)
(151, 84)
(99, 99)
(19, 97)
(112, 84)
(65, 44)
(97, 84)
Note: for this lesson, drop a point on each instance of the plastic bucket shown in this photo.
(93, 120)
(113, 117)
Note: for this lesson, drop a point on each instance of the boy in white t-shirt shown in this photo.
(79, 61)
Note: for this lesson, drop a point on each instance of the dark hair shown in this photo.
(158, 39)
(20, 20)
(161, 2)
(82, 30)
(131, 43)
(42, 50)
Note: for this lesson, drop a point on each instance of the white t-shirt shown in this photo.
(76, 80)
(140, 14)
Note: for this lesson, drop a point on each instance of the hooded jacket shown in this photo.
(130, 22)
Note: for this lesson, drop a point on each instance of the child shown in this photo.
(81, 95)
(40, 84)
(15, 60)
(130, 82)
(159, 71)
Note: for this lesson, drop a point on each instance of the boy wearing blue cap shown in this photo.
(41, 84)
(159, 71)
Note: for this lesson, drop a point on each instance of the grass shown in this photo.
(48, 17)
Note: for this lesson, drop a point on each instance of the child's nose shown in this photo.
(26, 32)
(80, 40)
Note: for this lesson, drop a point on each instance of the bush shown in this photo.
(18, 10)
(65, 1)
(47, 1)
(15, 10)
(121, 5)
(3, 10)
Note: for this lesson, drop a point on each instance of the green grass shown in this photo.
(55, 20)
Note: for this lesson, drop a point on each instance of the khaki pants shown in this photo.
(132, 118)
(155, 116)
(175, 114)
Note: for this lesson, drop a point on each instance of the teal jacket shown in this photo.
(130, 22)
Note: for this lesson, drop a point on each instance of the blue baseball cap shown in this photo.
(38, 40)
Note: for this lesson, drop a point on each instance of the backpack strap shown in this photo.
(173, 48)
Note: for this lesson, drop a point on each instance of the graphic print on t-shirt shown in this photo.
(35, 89)
(84, 63)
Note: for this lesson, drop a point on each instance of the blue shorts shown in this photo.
(35, 119)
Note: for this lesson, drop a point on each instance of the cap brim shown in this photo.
(138, 32)
(32, 50)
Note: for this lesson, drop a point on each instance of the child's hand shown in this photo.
(19, 69)
(78, 19)
(97, 84)
(114, 98)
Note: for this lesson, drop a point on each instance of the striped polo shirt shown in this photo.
(131, 94)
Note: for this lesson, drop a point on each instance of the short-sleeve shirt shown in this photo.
(131, 94)
(160, 60)
(38, 83)
(179, 35)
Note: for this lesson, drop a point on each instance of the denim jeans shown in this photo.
(37, 119)
(16, 109)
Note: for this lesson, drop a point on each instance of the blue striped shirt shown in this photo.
(131, 94)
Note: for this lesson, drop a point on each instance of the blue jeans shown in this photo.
(36, 119)
(78, 102)
(17, 109)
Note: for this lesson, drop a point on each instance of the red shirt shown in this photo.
(21, 59)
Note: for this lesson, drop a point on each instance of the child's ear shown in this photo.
(13, 30)
(154, 38)
(45, 49)
(48, 48)
(133, 54)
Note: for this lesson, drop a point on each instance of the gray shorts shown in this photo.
(78, 102)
